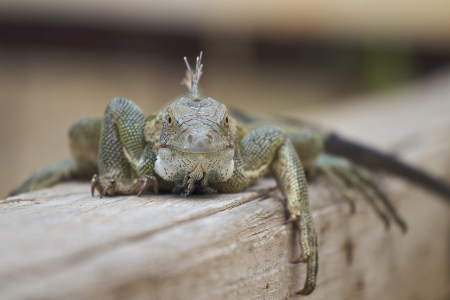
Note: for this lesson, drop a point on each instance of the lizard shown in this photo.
(195, 146)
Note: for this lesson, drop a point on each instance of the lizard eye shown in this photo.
(226, 121)
(169, 121)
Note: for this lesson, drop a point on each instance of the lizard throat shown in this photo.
(176, 165)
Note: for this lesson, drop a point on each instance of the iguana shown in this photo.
(195, 146)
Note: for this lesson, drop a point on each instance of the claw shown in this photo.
(94, 184)
(111, 185)
(144, 186)
(145, 181)
(288, 221)
(299, 260)
(292, 218)
(304, 292)
(190, 187)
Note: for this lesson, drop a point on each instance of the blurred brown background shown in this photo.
(60, 60)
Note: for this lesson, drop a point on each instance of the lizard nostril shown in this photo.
(209, 139)
(189, 139)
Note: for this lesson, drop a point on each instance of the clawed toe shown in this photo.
(300, 259)
(289, 221)
(145, 182)
(95, 185)
(110, 186)
(304, 292)
(123, 186)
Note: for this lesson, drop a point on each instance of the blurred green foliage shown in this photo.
(387, 68)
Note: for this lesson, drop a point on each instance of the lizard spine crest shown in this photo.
(191, 79)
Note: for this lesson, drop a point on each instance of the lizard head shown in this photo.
(196, 143)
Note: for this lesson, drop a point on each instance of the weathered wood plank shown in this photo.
(61, 243)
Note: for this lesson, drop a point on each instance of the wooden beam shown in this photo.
(60, 243)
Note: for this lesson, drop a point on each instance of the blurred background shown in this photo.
(60, 60)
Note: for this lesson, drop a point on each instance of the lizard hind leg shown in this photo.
(365, 177)
(342, 172)
(340, 184)
(83, 140)
(47, 176)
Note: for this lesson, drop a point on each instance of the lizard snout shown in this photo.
(201, 145)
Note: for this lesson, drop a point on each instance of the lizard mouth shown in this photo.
(200, 147)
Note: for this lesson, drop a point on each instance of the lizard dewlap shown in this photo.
(180, 166)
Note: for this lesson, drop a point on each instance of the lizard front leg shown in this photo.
(123, 185)
(288, 171)
(268, 148)
(126, 160)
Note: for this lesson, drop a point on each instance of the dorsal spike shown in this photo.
(191, 79)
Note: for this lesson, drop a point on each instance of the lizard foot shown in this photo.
(123, 186)
(309, 252)
(190, 181)
(344, 175)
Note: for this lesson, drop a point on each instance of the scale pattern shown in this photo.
(122, 132)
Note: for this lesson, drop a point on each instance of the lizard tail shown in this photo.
(374, 159)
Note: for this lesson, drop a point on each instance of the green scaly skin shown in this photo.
(163, 151)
